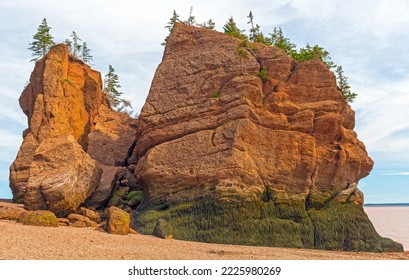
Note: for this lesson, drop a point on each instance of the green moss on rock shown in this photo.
(284, 224)
(255, 223)
(41, 218)
(347, 227)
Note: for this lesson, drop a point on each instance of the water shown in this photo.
(391, 221)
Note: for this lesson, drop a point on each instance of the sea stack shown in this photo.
(238, 143)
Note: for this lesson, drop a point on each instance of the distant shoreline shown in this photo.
(385, 204)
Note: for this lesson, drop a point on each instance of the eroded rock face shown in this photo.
(277, 146)
(62, 176)
(64, 102)
(232, 134)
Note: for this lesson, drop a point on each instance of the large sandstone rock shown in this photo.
(62, 176)
(64, 97)
(226, 156)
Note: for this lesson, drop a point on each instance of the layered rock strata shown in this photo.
(238, 143)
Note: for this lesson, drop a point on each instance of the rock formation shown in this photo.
(238, 143)
(72, 138)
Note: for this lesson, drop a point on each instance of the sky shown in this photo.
(369, 38)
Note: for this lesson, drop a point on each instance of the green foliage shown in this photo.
(343, 85)
(69, 82)
(76, 47)
(173, 20)
(278, 40)
(230, 28)
(43, 41)
(210, 24)
(77, 50)
(241, 52)
(262, 74)
(111, 90)
(256, 35)
(191, 20)
(216, 94)
(315, 52)
(86, 53)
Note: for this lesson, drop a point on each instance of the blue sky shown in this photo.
(368, 38)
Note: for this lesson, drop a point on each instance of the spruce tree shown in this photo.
(76, 46)
(191, 19)
(43, 41)
(230, 28)
(86, 53)
(278, 40)
(173, 20)
(343, 85)
(111, 90)
(255, 34)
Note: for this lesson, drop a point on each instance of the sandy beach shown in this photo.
(21, 242)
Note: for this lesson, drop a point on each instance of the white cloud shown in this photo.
(403, 173)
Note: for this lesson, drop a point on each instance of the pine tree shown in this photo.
(86, 53)
(191, 19)
(278, 40)
(255, 34)
(208, 24)
(316, 51)
(230, 28)
(112, 92)
(43, 41)
(76, 46)
(173, 20)
(69, 45)
(343, 85)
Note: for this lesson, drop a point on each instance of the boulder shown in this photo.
(10, 211)
(105, 187)
(63, 222)
(163, 229)
(118, 221)
(91, 214)
(230, 154)
(62, 176)
(78, 220)
(41, 218)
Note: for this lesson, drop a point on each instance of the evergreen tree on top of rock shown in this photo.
(191, 20)
(43, 41)
(78, 50)
(111, 90)
(230, 28)
(256, 35)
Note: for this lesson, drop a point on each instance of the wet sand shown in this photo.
(20, 242)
